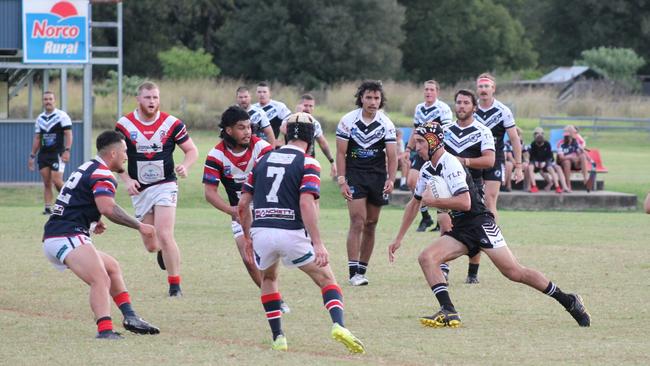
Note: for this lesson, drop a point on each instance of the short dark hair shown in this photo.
(307, 96)
(263, 84)
(232, 115)
(370, 85)
(467, 93)
(242, 89)
(108, 138)
(49, 92)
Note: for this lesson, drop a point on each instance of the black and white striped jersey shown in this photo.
(276, 112)
(437, 112)
(498, 118)
(366, 142)
(259, 121)
(468, 142)
(50, 127)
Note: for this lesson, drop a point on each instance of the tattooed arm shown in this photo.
(109, 208)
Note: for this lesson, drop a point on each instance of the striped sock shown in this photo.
(333, 300)
(174, 283)
(272, 304)
(363, 267)
(442, 294)
(352, 267)
(123, 301)
(445, 268)
(553, 291)
(104, 324)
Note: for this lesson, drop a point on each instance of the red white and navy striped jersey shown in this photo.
(276, 112)
(276, 183)
(150, 147)
(50, 127)
(498, 118)
(230, 168)
(366, 142)
(75, 208)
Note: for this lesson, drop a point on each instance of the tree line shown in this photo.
(315, 42)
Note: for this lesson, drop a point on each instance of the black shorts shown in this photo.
(368, 185)
(50, 160)
(495, 173)
(479, 232)
(417, 162)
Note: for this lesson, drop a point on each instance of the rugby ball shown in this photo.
(439, 187)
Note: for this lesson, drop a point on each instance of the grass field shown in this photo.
(45, 317)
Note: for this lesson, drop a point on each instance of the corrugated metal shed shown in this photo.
(568, 73)
(11, 25)
(15, 145)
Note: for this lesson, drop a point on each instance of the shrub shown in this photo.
(179, 62)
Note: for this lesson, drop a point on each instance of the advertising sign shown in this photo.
(55, 31)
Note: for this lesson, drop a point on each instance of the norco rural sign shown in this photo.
(55, 31)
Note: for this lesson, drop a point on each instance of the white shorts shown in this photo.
(164, 194)
(57, 248)
(237, 230)
(292, 246)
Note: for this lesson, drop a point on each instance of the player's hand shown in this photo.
(345, 191)
(333, 171)
(148, 231)
(405, 156)
(132, 186)
(248, 250)
(519, 174)
(65, 156)
(322, 257)
(30, 164)
(428, 199)
(181, 170)
(100, 227)
(234, 213)
(388, 186)
(392, 248)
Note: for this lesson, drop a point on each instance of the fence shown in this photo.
(597, 123)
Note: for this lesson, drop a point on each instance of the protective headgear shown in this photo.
(300, 126)
(229, 118)
(432, 132)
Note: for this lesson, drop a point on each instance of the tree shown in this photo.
(451, 41)
(571, 26)
(619, 64)
(311, 42)
(180, 62)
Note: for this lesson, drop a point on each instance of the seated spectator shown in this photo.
(541, 160)
(510, 163)
(571, 155)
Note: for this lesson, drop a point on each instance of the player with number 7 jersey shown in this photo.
(284, 186)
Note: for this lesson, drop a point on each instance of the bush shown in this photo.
(618, 64)
(180, 62)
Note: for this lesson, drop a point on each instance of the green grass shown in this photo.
(45, 317)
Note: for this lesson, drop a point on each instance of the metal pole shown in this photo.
(64, 89)
(87, 97)
(30, 97)
(120, 68)
(46, 80)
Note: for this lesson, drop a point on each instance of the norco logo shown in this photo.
(44, 30)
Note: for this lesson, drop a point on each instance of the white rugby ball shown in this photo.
(439, 187)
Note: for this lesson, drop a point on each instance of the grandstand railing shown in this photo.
(597, 123)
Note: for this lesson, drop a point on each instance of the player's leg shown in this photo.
(444, 220)
(444, 249)
(506, 262)
(46, 176)
(357, 212)
(57, 174)
(85, 262)
(150, 244)
(368, 238)
(272, 302)
(507, 177)
(164, 220)
(333, 301)
(426, 220)
(132, 322)
(492, 195)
